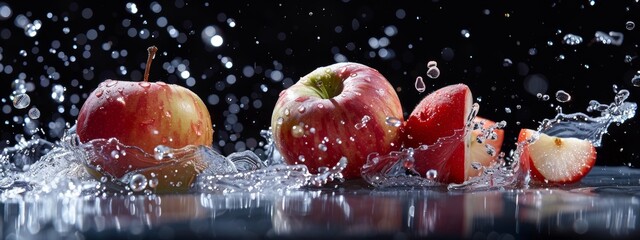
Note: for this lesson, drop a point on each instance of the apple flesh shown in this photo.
(555, 160)
(145, 115)
(485, 150)
(342, 110)
(439, 121)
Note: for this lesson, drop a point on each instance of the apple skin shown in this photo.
(439, 121)
(320, 119)
(144, 115)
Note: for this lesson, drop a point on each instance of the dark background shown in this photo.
(271, 44)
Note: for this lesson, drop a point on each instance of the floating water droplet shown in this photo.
(545, 97)
(138, 182)
(432, 174)
(420, 84)
(433, 72)
(394, 122)
(636, 79)
(21, 101)
(507, 62)
(562, 96)
(431, 64)
(571, 39)
(629, 25)
(465, 33)
(507, 110)
(301, 158)
(34, 113)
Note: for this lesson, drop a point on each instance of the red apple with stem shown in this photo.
(440, 122)
(555, 160)
(342, 110)
(145, 115)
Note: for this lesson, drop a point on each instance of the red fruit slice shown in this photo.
(439, 121)
(554, 159)
(480, 153)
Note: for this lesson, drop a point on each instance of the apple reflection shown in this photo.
(527, 213)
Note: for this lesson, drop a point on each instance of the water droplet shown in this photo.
(394, 122)
(160, 151)
(297, 131)
(629, 25)
(279, 121)
(21, 101)
(34, 113)
(431, 64)
(115, 154)
(636, 79)
(144, 84)
(301, 109)
(363, 122)
(301, 158)
(562, 96)
(507, 62)
(322, 147)
(420, 84)
(545, 97)
(571, 39)
(320, 105)
(153, 183)
(465, 33)
(432, 174)
(138, 182)
(433, 72)
(476, 165)
(287, 112)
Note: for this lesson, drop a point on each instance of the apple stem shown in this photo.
(152, 54)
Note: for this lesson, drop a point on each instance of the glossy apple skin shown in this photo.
(439, 121)
(317, 129)
(143, 115)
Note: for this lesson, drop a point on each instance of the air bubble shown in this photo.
(160, 151)
(21, 101)
(322, 147)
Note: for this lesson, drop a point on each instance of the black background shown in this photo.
(295, 37)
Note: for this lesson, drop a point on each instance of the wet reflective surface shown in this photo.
(601, 206)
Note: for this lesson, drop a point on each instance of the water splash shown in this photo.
(580, 125)
(35, 168)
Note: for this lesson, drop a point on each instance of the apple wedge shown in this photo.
(439, 122)
(485, 146)
(556, 159)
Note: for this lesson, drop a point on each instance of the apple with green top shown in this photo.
(145, 115)
(344, 110)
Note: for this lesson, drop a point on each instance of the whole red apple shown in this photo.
(342, 110)
(145, 115)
